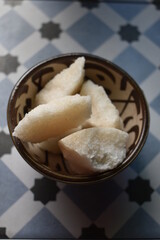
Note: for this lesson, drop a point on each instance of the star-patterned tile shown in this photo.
(13, 3)
(50, 30)
(139, 190)
(9, 64)
(129, 33)
(45, 190)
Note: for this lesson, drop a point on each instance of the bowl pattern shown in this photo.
(120, 87)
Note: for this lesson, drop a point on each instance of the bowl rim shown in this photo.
(79, 179)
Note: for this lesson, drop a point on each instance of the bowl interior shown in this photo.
(120, 87)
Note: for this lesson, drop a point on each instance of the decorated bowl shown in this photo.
(121, 88)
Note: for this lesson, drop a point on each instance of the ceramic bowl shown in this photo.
(120, 87)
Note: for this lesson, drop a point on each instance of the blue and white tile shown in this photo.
(90, 32)
(69, 214)
(15, 76)
(117, 214)
(74, 10)
(4, 8)
(3, 50)
(31, 14)
(48, 51)
(151, 33)
(108, 16)
(5, 89)
(20, 29)
(139, 226)
(66, 44)
(133, 9)
(48, 224)
(152, 207)
(18, 167)
(143, 21)
(155, 104)
(106, 49)
(51, 8)
(128, 61)
(29, 47)
(145, 156)
(148, 49)
(151, 86)
(103, 194)
(122, 178)
(154, 123)
(151, 171)
(19, 214)
(14, 187)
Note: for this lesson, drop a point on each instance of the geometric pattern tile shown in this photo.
(5, 143)
(20, 29)
(129, 33)
(152, 207)
(13, 3)
(128, 60)
(117, 215)
(128, 10)
(151, 33)
(10, 183)
(152, 167)
(47, 52)
(86, 28)
(97, 196)
(52, 8)
(139, 226)
(9, 64)
(135, 192)
(158, 189)
(145, 157)
(69, 214)
(3, 233)
(156, 3)
(50, 30)
(90, 4)
(48, 225)
(93, 232)
(5, 90)
(44, 190)
(155, 104)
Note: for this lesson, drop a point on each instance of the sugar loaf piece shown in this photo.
(54, 118)
(51, 144)
(94, 149)
(104, 113)
(67, 82)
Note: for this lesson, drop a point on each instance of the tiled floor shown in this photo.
(125, 32)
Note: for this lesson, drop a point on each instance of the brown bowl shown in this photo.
(122, 90)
